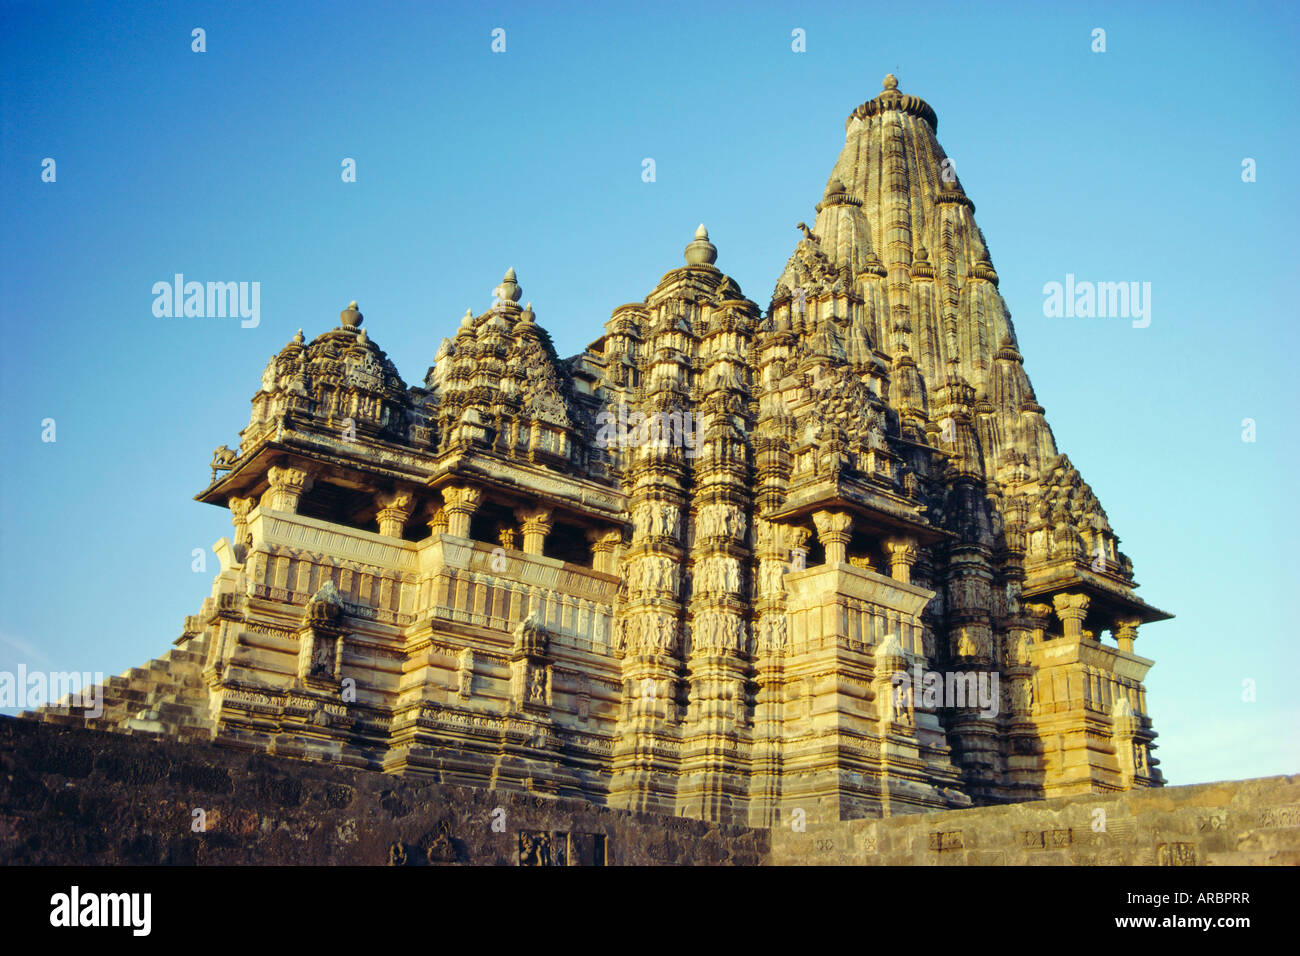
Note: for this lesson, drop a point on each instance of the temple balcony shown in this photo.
(856, 609)
(472, 583)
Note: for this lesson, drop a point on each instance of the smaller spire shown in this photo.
(983, 269)
(921, 268)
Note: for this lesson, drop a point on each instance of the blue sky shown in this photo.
(225, 165)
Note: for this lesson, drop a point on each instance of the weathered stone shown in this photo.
(686, 571)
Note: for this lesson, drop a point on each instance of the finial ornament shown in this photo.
(508, 291)
(701, 252)
(891, 82)
(298, 337)
(351, 317)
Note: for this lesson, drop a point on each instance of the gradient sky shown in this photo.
(1116, 166)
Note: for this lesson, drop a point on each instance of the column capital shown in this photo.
(240, 507)
(460, 502)
(1071, 609)
(394, 510)
(797, 538)
(605, 546)
(288, 483)
(903, 553)
(834, 531)
(536, 524)
(464, 498)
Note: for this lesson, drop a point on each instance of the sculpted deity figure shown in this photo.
(537, 686)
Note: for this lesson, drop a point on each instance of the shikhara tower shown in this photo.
(459, 579)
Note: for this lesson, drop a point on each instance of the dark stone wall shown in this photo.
(87, 797)
(73, 796)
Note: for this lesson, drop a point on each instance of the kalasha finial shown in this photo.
(891, 82)
(467, 321)
(298, 337)
(508, 291)
(351, 317)
(701, 252)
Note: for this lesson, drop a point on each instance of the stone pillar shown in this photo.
(288, 485)
(1129, 756)
(394, 510)
(460, 503)
(1071, 609)
(903, 553)
(537, 525)
(1126, 633)
(798, 541)
(605, 546)
(834, 531)
(239, 509)
(1038, 615)
(438, 522)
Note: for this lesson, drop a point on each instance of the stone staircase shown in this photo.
(166, 697)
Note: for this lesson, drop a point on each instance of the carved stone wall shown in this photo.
(689, 569)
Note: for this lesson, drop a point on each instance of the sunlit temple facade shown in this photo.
(683, 571)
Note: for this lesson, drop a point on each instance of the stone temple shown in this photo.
(682, 571)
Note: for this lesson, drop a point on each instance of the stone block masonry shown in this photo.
(468, 579)
(74, 796)
(1239, 822)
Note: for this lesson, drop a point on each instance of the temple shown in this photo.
(695, 569)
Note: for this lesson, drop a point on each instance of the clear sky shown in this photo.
(1123, 165)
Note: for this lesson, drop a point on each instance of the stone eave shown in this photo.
(336, 455)
(878, 511)
(530, 483)
(1111, 597)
